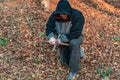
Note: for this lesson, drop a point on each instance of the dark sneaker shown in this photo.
(71, 76)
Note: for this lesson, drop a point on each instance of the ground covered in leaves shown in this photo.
(23, 58)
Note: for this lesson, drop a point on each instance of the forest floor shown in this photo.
(23, 58)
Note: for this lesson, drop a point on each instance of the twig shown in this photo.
(45, 41)
(63, 44)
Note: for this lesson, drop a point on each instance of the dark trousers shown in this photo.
(70, 55)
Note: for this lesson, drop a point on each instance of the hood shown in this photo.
(63, 7)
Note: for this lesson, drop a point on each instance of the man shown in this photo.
(67, 23)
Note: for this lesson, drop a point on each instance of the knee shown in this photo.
(74, 42)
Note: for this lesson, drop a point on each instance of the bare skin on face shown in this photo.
(64, 16)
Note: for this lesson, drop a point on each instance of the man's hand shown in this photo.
(58, 41)
(52, 41)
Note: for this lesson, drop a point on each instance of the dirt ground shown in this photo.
(115, 3)
(23, 58)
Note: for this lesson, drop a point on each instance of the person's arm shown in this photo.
(50, 27)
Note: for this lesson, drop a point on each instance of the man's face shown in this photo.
(64, 16)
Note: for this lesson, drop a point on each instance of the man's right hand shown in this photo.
(52, 41)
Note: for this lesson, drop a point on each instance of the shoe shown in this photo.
(82, 52)
(71, 76)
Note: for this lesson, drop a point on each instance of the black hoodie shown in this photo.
(75, 16)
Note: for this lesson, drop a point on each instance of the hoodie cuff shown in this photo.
(50, 35)
(63, 38)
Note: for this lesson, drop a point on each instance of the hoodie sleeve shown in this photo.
(50, 26)
(77, 26)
